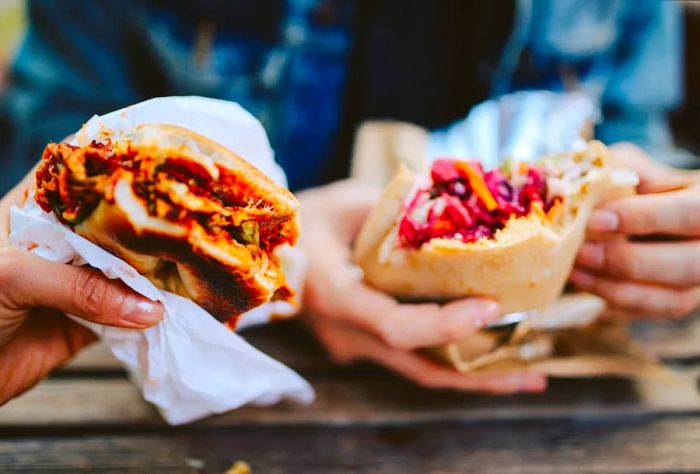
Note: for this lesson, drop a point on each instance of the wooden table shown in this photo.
(89, 417)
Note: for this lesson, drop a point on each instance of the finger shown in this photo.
(430, 374)
(654, 177)
(673, 213)
(46, 340)
(671, 264)
(409, 326)
(29, 281)
(347, 344)
(412, 326)
(645, 299)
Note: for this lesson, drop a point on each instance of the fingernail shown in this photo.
(591, 255)
(479, 314)
(603, 220)
(490, 312)
(582, 279)
(141, 312)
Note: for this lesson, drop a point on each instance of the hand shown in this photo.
(655, 270)
(355, 321)
(35, 335)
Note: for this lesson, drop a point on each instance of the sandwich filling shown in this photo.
(205, 197)
(463, 202)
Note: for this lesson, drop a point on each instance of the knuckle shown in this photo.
(690, 220)
(693, 270)
(644, 220)
(393, 340)
(391, 335)
(618, 295)
(92, 292)
(629, 262)
(682, 304)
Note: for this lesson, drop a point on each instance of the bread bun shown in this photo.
(223, 275)
(524, 266)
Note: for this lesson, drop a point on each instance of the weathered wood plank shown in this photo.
(290, 342)
(363, 396)
(85, 401)
(671, 339)
(649, 446)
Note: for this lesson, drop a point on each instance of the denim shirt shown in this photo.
(288, 63)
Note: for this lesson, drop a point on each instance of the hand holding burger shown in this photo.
(35, 335)
(356, 321)
(655, 270)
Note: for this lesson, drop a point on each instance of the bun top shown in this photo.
(166, 140)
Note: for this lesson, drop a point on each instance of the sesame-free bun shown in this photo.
(524, 266)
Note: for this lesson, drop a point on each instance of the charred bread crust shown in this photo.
(227, 280)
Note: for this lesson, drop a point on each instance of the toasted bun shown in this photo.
(166, 139)
(524, 266)
(226, 280)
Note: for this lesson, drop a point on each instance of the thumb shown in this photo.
(28, 281)
(654, 177)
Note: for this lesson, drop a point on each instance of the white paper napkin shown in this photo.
(189, 365)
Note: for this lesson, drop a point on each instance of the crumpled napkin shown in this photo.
(189, 365)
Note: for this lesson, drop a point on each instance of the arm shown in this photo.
(645, 79)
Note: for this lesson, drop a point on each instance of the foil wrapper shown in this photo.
(522, 126)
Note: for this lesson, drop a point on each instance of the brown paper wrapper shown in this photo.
(566, 340)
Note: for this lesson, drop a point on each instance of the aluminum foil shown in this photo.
(522, 126)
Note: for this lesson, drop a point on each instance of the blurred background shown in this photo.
(12, 25)
(312, 70)
(686, 121)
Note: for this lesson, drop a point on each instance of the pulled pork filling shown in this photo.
(466, 203)
(73, 180)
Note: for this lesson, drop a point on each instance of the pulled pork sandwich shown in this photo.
(192, 216)
(510, 234)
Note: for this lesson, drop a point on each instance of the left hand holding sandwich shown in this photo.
(355, 321)
(656, 270)
(35, 336)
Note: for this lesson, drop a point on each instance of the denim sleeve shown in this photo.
(626, 54)
(71, 64)
(646, 81)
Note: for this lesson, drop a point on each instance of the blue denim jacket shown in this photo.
(81, 58)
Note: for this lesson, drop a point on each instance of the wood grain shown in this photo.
(365, 395)
(290, 342)
(89, 418)
(623, 447)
